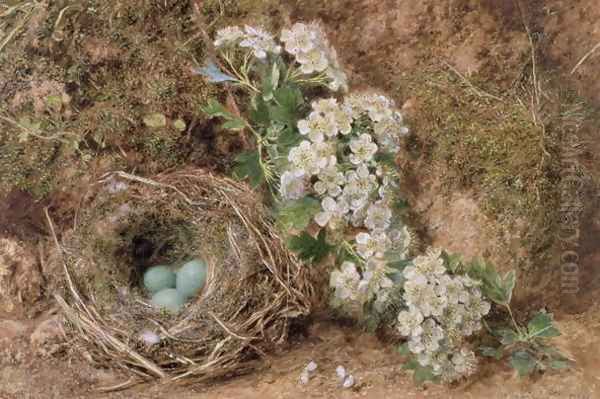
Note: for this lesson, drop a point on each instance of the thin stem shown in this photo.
(241, 78)
(517, 328)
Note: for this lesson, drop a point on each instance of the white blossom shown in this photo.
(409, 322)
(317, 127)
(379, 216)
(363, 149)
(312, 61)
(304, 158)
(260, 41)
(345, 281)
(330, 181)
(333, 211)
(298, 39)
(354, 196)
(228, 36)
(368, 245)
(293, 185)
(362, 179)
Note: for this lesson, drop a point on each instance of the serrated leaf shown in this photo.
(523, 362)
(247, 166)
(287, 105)
(234, 124)
(297, 214)
(155, 120)
(213, 73)
(496, 288)
(488, 351)
(542, 326)
(453, 262)
(310, 249)
(259, 113)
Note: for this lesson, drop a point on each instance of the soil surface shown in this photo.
(383, 43)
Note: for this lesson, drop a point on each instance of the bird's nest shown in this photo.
(256, 290)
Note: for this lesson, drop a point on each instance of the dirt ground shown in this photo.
(480, 46)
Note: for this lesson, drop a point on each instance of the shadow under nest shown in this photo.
(255, 289)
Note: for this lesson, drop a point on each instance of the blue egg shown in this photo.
(191, 277)
(169, 299)
(158, 278)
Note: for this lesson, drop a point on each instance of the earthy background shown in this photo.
(494, 93)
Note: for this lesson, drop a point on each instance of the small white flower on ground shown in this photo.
(293, 185)
(363, 149)
(311, 367)
(340, 371)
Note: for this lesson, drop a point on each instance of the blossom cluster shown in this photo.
(338, 163)
(307, 43)
(442, 311)
(258, 40)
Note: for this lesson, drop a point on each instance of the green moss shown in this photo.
(494, 148)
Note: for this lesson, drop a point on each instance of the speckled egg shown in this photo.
(191, 277)
(169, 299)
(158, 278)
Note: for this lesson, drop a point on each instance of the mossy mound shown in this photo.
(255, 288)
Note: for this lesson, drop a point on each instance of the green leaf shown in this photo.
(523, 362)
(496, 288)
(259, 113)
(403, 349)
(297, 214)
(310, 249)
(506, 336)
(248, 167)
(423, 374)
(453, 262)
(541, 325)
(215, 109)
(288, 100)
(559, 364)
(488, 351)
(155, 120)
(412, 364)
(386, 158)
(234, 124)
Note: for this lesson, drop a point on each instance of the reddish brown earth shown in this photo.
(377, 39)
